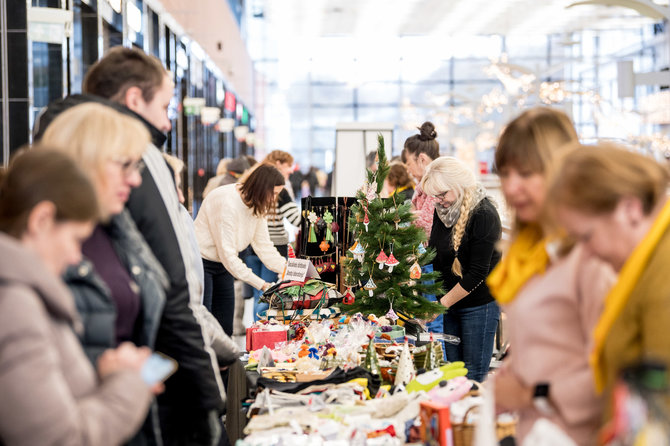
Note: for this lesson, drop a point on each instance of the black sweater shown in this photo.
(477, 253)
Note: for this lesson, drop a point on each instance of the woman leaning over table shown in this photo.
(614, 202)
(466, 228)
(551, 298)
(231, 218)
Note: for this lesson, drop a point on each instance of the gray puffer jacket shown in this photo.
(92, 296)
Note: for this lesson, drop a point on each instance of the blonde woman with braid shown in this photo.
(466, 228)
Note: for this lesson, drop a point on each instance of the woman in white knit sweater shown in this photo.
(231, 218)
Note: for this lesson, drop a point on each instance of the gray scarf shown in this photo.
(449, 215)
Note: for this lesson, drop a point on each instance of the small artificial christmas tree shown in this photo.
(388, 253)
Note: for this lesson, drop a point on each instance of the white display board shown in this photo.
(354, 140)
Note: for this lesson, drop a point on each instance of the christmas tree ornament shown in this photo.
(291, 252)
(370, 286)
(352, 248)
(371, 358)
(415, 271)
(396, 220)
(391, 262)
(421, 249)
(349, 297)
(312, 217)
(328, 219)
(366, 220)
(335, 227)
(405, 372)
(371, 192)
(324, 245)
(391, 315)
(381, 259)
(359, 252)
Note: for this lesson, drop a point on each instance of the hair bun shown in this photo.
(428, 132)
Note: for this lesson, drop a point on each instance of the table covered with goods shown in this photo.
(357, 379)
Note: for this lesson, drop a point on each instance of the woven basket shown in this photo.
(464, 433)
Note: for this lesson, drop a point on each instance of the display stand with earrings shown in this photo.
(324, 235)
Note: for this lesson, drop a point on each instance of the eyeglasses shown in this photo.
(130, 166)
(441, 196)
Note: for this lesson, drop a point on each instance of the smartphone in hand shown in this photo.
(157, 368)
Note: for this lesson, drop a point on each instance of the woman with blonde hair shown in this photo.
(551, 298)
(119, 286)
(466, 228)
(614, 203)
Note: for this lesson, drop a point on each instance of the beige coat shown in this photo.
(550, 326)
(50, 394)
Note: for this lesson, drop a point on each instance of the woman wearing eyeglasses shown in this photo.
(119, 287)
(466, 228)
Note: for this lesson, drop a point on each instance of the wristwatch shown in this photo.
(541, 399)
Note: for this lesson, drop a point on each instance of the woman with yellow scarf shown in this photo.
(614, 202)
(551, 298)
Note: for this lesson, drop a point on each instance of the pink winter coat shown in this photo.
(550, 325)
(50, 393)
(424, 208)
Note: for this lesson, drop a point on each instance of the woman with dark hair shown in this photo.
(231, 218)
(50, 392)
(420, 150)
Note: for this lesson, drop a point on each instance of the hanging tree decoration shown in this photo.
(415, 271)
(381, 259)
(311, 216)
(324, 245)
(366, 220)
(349, 297)
(370, 286)
(371, 193)
(391, 261)
(421, 249)
(391, 315)
(358, 252)
(328, 219)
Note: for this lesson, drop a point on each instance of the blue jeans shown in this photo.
(476, 326)
(255, 264)
(437, 325)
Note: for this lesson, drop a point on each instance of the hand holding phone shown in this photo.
(157, 368)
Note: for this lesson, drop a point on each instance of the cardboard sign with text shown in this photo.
(299, 269)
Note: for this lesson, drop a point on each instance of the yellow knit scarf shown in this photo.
(620, 293)
(527, 257)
